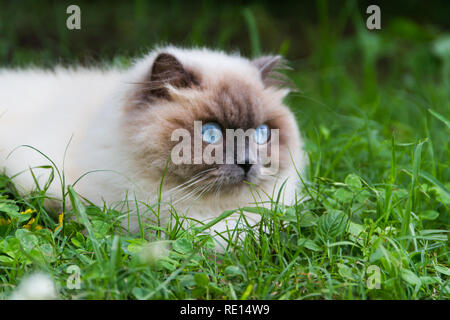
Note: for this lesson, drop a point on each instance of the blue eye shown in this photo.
(262, 134)
(211, 132)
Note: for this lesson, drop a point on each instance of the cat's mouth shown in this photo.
(222, 179)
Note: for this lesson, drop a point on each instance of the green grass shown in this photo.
(374, 109)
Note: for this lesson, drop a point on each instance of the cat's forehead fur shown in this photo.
(228, 89)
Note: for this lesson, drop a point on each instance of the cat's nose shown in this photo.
(246, 166)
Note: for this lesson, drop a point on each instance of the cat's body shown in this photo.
(120, 124)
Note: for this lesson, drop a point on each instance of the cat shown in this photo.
(113, 129)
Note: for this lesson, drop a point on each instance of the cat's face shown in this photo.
(203, 96)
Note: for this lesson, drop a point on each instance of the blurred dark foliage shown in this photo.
(35, 31)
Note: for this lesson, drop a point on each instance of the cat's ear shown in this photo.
(168, 70)
(269, 67)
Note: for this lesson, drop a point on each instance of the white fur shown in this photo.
(45, 109)
(38, 286)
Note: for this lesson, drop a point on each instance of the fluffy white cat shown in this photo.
(119, 124)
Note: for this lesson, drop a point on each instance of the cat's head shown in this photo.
(182, 106)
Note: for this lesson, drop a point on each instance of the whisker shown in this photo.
(194, 180)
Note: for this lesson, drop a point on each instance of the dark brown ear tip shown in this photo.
(266, 62)
(164, 56)
(166, 59)
(166, 70)
(284, 64)
(268, 66)
(165, 62)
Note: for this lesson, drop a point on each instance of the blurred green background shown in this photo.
(357, 87)
(35, 31)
